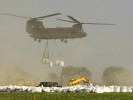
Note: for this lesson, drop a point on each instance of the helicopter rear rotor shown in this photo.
(78, 22)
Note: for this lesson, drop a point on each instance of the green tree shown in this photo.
(116, 76)
(52, 77)
(70, 72)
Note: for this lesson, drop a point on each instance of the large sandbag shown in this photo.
(111, 88)
(45, 61)
(1, 88)
(57, 62)
(129, 89)
(4, 88)
(98, 90)
(50, 64)
(61, 63)
(116, 89)
(39, 89)
(25, 88)
(11, 88)
(106, 89)
(45, 89)
(123, 89)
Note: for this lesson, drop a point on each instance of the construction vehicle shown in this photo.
(49, 84)
(76, 81)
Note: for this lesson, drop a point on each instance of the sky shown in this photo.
(103, 46)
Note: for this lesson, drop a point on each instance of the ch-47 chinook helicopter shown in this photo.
(37, 31)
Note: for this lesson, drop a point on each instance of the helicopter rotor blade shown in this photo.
(14, 15)
(76, 21)
(38, 18)
(47, 16)
(86, 23)
(98, 23)
(65, 20)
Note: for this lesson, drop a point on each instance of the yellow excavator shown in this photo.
(76, 81)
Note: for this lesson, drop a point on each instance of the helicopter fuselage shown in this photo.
(38, 31)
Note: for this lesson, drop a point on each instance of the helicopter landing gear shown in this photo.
(62, 40)
(39, 40)
(34, 39)
(65, 41)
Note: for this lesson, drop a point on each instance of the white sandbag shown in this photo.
(19, 88)
(53, 89)
(25, 88)
(35, 89)
(50, 64)
(90, 89)
(30, 89)
(57, 62)
(4, 88)
(1, 88)
(45, 61)
(111, 88)
(72, 89)
(64, 89)
(38, 89)
(98, 90)
(129, 89)
(61, 63)
(11, 88)
(123, 89)
(106, 89)
(45, 89)
(116, 89)
(87, 90)
(59, 90)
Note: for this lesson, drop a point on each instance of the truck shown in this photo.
(49, 84)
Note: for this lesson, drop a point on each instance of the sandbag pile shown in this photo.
(84, 88)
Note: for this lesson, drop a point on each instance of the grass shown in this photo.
(64, 96)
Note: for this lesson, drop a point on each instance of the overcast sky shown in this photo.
(103, 46)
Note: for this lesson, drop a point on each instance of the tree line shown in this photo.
(112, 75)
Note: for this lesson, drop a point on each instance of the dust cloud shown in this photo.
(117, 76)
(11, 75)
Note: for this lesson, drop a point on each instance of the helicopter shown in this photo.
(37, 30)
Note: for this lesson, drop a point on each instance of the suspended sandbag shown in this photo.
(57, 62)
(45, 61)
(50, 64)
(45, 58)
(61, 63)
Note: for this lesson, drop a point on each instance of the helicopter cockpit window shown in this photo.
(36, 25)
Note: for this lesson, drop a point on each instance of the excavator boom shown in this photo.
(76, 81)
